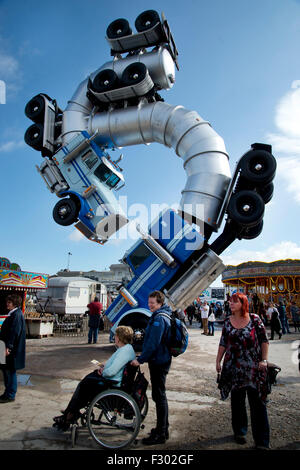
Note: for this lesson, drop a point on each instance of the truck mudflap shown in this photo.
(196, 279)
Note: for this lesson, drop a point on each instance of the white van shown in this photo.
(70, 295)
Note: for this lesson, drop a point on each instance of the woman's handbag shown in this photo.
(139, 388)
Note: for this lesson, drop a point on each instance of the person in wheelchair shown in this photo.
(107, 376)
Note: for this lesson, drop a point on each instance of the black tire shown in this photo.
(34, 136)
(138, 323)
(113, 419)
(105, 80)
(266, 192)
(258, 167)
(118, 29)
(65, 212)
(246, 208)
(250, 233)
(134, 74)
(146, 20)
(35, 109)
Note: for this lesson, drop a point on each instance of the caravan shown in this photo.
(70, 295)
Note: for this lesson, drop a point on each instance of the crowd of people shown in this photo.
(205, 314)
(280, 316)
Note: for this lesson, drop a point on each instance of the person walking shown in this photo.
(211, 324)
(295, 315)
(283, 318)
(190, 311)
(275, 323)
(244, 345)
(13, 334)
(204, 317)
(95, 310)
(156, 353)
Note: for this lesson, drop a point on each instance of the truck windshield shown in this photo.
(106, 175)
(140, 254)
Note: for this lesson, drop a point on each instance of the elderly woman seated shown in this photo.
(107, 375)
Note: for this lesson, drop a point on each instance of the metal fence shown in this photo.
(74, 325)
(70, 325)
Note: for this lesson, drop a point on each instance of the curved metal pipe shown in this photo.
(161, 69)
(193, 139)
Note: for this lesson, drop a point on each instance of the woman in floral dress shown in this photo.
(244, 346)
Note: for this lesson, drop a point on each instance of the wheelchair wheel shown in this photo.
(113, 419)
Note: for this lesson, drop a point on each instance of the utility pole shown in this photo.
(69, 254)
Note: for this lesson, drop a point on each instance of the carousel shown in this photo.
(272, 282)
(15, 281)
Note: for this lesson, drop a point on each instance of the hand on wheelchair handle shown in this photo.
(135, 363)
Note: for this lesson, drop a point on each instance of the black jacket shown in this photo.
(13, 333)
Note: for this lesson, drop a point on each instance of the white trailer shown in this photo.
(70, 295)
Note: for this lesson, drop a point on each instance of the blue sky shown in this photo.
(239, 69)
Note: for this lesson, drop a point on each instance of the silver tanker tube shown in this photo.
(159, 64)
(193, 139)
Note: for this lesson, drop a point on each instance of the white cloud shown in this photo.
(289, 170)
(9, 69)
(8, 66)
(287, 141)
(281, 250)
(11, 145)
(76, 236)
(287, 116)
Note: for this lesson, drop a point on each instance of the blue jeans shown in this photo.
(258, 413)
(93, 334)
(284, 324)
(211, 325)
(10, 382)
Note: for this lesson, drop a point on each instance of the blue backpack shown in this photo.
(179, 335)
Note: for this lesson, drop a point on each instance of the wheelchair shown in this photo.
(114, 417)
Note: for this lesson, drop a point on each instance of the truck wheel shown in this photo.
(65, 212)
(118, 29)
(34, 136)
(105, 80)
(252, 232)
(146, 20)
(134, 73)
(258, 166)
(266, 192)
(35, 109)
(139, 324)
(246, 208)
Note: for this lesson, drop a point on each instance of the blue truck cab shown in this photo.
(156, 260)
(84, 177)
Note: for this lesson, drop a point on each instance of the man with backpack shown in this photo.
(157, 353)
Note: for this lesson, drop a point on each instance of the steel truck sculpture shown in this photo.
(117, 106)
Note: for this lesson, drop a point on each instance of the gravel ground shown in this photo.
(199, 420)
